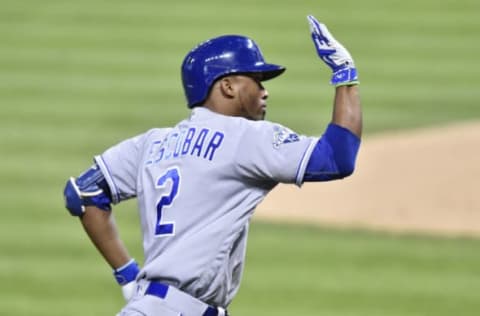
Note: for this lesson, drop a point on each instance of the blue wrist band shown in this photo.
(344, 76)
(126, 273)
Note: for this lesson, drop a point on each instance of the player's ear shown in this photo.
(227, 87)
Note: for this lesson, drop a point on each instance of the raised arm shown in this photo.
(335, 154)
(347, 110)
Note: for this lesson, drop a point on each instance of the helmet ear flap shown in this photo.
(218, 57)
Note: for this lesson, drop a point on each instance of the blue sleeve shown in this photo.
(334, 155)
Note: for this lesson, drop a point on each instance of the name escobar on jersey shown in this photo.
(202, 143)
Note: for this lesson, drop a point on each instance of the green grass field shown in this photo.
(77, 77)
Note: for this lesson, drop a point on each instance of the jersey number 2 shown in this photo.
(166, 228)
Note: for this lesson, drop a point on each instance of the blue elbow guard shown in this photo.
(73, 198)
(90, 188)
(334, 155)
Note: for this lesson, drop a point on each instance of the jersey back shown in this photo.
(197, 185)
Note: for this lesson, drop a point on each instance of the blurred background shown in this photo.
(78, 77)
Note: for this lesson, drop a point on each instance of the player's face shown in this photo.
(252, 97)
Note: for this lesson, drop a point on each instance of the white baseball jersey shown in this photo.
(197, 185)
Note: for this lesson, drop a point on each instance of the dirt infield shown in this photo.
(417, 181)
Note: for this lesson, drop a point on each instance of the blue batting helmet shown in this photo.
(218, 57)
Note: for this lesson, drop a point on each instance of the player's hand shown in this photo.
(126, 276)
(333, 54)
(129, 290)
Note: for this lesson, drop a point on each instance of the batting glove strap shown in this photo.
(345, 76)
(127, 273)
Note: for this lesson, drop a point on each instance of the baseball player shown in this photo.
(198, 183)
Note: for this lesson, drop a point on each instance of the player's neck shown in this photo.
(224, 107)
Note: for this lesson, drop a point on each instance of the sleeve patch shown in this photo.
(283, 135)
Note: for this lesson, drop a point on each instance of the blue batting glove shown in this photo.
(333, 54)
